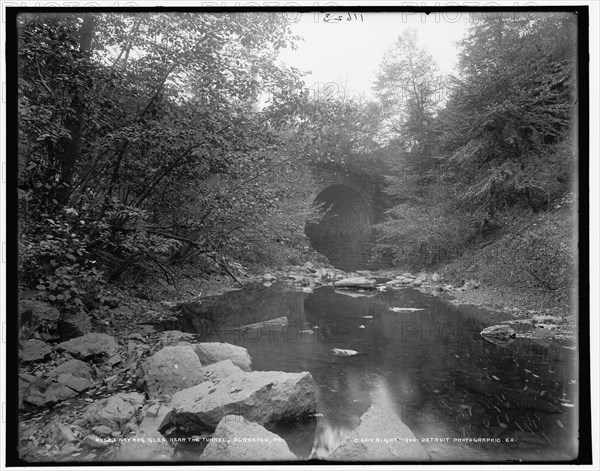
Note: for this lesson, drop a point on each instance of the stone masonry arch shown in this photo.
(354, 202)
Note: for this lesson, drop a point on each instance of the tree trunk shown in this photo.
(72, 148)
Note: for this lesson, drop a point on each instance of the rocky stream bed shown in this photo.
(111, 385)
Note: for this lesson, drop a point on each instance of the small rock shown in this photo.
(102, 431)
(136, 336)
(421, 278)
(499, 332)
(546, 319)
(435, 277)
(73, 382)
(96, 442)
(268, 278)
(112, 361)
(65, 433)
(213, 352)
(76, 368)
(111, 301)
(90, 345)
(73, 325)
(343, 353)
(169, 337)
(470, 285)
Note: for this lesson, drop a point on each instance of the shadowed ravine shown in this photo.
(431, 367)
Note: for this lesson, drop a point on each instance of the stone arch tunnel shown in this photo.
(354, 202)
(343, 235)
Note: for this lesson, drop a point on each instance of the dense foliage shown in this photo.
(500, 150)
(143, 143)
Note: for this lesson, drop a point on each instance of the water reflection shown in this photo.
(432, 367)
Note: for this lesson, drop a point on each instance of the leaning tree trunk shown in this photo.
(72, 148)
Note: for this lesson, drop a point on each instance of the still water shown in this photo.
(429, 366)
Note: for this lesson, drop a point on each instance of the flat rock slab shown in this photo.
(34, 350)
(238, 439)
(278, 323)
(358, 282)
(114, 411)
(213, 352)
(499, 332)
(145, 446)
(90, 345)
(396, 440)
(265, 397)
(171, 369)
(77, 368)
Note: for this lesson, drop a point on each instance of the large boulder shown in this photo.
(498, 332)
(114, 411)
(37, 315)
(381, 436)
(90, 345)
(145, 446)
(360, 282)
(213, 352)
(265, 397)
(34, 350)
(171, 369)
(238, 439)
(72, 325)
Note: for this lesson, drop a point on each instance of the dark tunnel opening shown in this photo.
(344, 233)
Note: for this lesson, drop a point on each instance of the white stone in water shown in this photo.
(406, 309)
(356, 282)
(343, 353)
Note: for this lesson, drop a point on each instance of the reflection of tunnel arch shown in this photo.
(344, 233)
